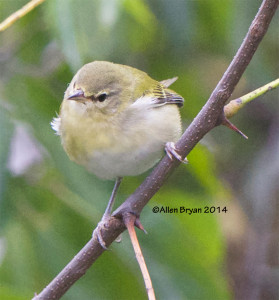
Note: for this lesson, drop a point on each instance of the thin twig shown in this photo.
(19, 14)
(234, 105)
(129, 221)
(203, 123)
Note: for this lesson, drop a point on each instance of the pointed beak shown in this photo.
(76, 95)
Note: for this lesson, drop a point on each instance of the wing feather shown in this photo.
(166, 96)
(160, 95)
(167, 82)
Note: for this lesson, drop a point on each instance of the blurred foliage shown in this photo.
(49, 206)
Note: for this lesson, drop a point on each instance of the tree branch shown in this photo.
(210, 114)
(206, 120)
(19, 14)
(234, 105)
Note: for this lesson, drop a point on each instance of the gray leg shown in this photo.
(112, 198)
(107, 213)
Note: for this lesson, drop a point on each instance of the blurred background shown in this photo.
(49, 205)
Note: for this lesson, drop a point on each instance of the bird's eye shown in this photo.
(102, 97)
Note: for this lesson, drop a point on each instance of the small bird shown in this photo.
(117, 121)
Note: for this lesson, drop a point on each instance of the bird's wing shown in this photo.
(166, 83)
(162, 96)
(159, 95)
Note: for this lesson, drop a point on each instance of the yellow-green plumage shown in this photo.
(124, 134)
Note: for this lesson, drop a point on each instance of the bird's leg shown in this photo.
(107, 213)
(112, 199)
(172, 152)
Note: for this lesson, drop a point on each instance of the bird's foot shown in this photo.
(102, 225)
(172, 152)
(98, 231)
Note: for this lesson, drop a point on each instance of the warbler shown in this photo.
(116, 121)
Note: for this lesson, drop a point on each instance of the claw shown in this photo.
(107, 215)
(98, 233)
(119, 239)
(172, 152)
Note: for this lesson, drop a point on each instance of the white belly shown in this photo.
(126, 146)
(109, 165)
(140, 146)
